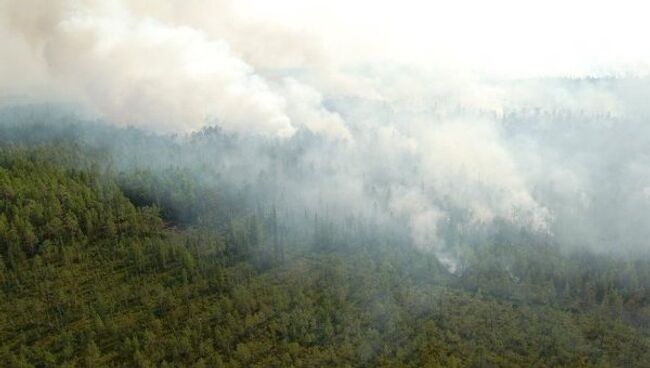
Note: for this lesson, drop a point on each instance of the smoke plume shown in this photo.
(427, 129)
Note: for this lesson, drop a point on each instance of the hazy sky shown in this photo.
(268, 65)
(508, 37)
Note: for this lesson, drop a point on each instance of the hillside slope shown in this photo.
(89, 279)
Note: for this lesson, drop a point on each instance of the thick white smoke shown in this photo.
(137, 70)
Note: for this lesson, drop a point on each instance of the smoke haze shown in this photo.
(408, 112)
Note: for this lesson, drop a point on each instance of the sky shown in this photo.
(503, 38)
(250, 61)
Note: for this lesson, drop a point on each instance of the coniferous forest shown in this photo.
(120, 248)
(327, 183)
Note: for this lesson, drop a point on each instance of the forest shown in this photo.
(122, 248)
(328, 183)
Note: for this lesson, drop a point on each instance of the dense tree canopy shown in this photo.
(107, 267)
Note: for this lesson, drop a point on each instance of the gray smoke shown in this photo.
(407, 132)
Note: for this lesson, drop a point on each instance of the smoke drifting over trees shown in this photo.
(283, 183)
(562, 157)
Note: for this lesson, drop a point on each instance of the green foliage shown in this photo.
(89, 279)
